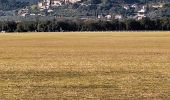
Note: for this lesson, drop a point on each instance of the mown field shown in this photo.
(96, 66)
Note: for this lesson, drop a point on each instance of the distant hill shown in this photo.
(124, 1)
(30, 1)
(15, 4)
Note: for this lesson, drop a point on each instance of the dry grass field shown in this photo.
(94, 66)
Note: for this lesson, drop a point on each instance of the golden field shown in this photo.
(87, 65)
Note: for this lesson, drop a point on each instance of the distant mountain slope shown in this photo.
(15, 4)
(30, 1)
(123, 1)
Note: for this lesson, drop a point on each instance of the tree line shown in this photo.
(86, 25)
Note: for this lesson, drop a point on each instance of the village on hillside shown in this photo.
(78, 9)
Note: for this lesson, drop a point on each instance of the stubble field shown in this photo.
(96, 66)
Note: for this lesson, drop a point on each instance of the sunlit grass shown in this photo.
(86, 65)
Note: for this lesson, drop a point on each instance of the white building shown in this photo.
(126, 7)
(134, 6)
(119, 17)
(46, 4)
(23, 12)
(158, 6)
(108, 16)
(50, 10)
(73, 1)
(141, 13)
(56, 3)
(100, 16)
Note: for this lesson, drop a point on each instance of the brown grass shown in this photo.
(120, 65)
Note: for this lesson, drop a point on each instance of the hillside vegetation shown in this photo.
(15, 4)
